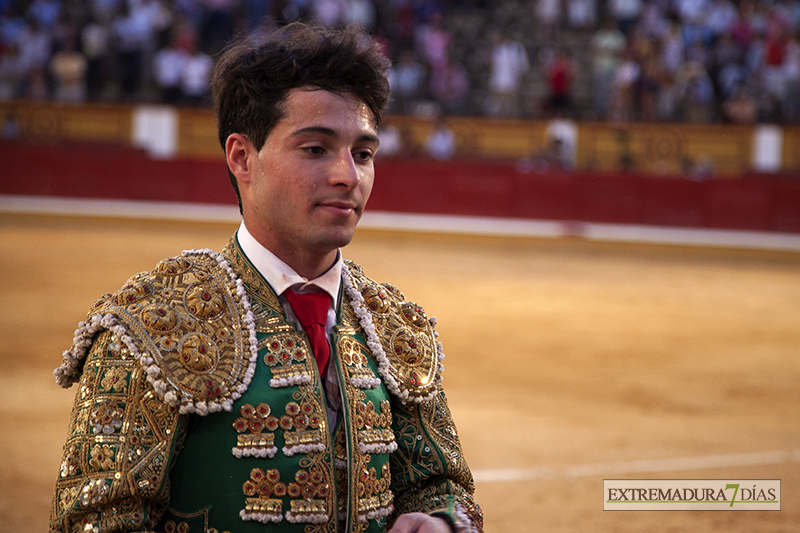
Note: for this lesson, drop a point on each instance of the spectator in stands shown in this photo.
(773, 68)
(721, 16)
(790, 111)
(728, 71)
(169, 65)
(132, 32)
(548, 13)
(408, 81)
(217, 24)
(96, 47)
(696, 93)
(653, 22)
(652, 78)
(608, 46)
(449, 87)
(68, 68)
(11, 27)
(34, 55)
(433, 42)
(740, 108)
(327, 12)
(625, 12)
(11, 75)
(257, 13)
(736, 41)
(196, 75)
(361, 12)
(560, 72)
(509, 63)
(582, 14)
(440, 143)
(44, 12)
(623, 89)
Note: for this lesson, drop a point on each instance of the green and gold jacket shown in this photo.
(201, 409)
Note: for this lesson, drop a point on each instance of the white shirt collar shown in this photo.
(281, 276)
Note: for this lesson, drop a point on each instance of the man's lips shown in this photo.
(339, 207)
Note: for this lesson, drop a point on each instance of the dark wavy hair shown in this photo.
(253, 77)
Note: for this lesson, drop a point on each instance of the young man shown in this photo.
(273, 386)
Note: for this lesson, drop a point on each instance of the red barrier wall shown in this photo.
(753, 202)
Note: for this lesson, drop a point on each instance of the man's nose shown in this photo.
(345, 171)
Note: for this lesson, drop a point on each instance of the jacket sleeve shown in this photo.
(121, 440)
(429, 473)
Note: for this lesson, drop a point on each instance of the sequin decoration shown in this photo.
(376, 299)
(414, 314)
(115, 380)
(188, 324)
(303, 429)
(287, 360)
(255, 427)
(403, 340)
(404, 345)
(205, 301)
(305, 507)
(374, 497)
(134, 291)
(353, 355)
(159, 318)
(259, 489)
(93, 493)
(106, 419)
(198, 352)
(374, 428)
(102, 457)
(171, 527)
(174, 266)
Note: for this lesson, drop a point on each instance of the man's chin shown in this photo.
(333, 239)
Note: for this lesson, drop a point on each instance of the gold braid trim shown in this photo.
(399, 334)
(113, 474)
(189, 325)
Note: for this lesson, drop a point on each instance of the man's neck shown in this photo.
(307, 264)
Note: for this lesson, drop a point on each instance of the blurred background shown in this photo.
(599, 200)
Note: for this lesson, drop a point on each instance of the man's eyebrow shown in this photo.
(319, 130)
(329, 132)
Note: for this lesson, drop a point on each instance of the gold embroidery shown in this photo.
(285, 352)
(159, 317)
(198, 354)
(205, 301)
(171, 527)
(102, 457)
(407, 338)
(255, 443)
(260, 487)
(287, 360)
(115, 380)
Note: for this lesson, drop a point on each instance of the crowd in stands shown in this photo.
(619, 60)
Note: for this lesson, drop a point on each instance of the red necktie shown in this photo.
(311, 310)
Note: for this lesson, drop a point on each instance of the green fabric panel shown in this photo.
(207, 473)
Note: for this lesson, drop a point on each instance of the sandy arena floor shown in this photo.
(568, 362)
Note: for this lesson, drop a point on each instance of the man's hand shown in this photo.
(420, 523)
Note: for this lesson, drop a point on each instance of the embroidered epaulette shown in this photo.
(188, 323)
(399, 334)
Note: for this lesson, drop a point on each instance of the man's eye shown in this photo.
(364, 155)
(314, 150)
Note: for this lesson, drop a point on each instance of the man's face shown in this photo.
(313, 175)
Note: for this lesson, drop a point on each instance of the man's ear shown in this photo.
(241, 156)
